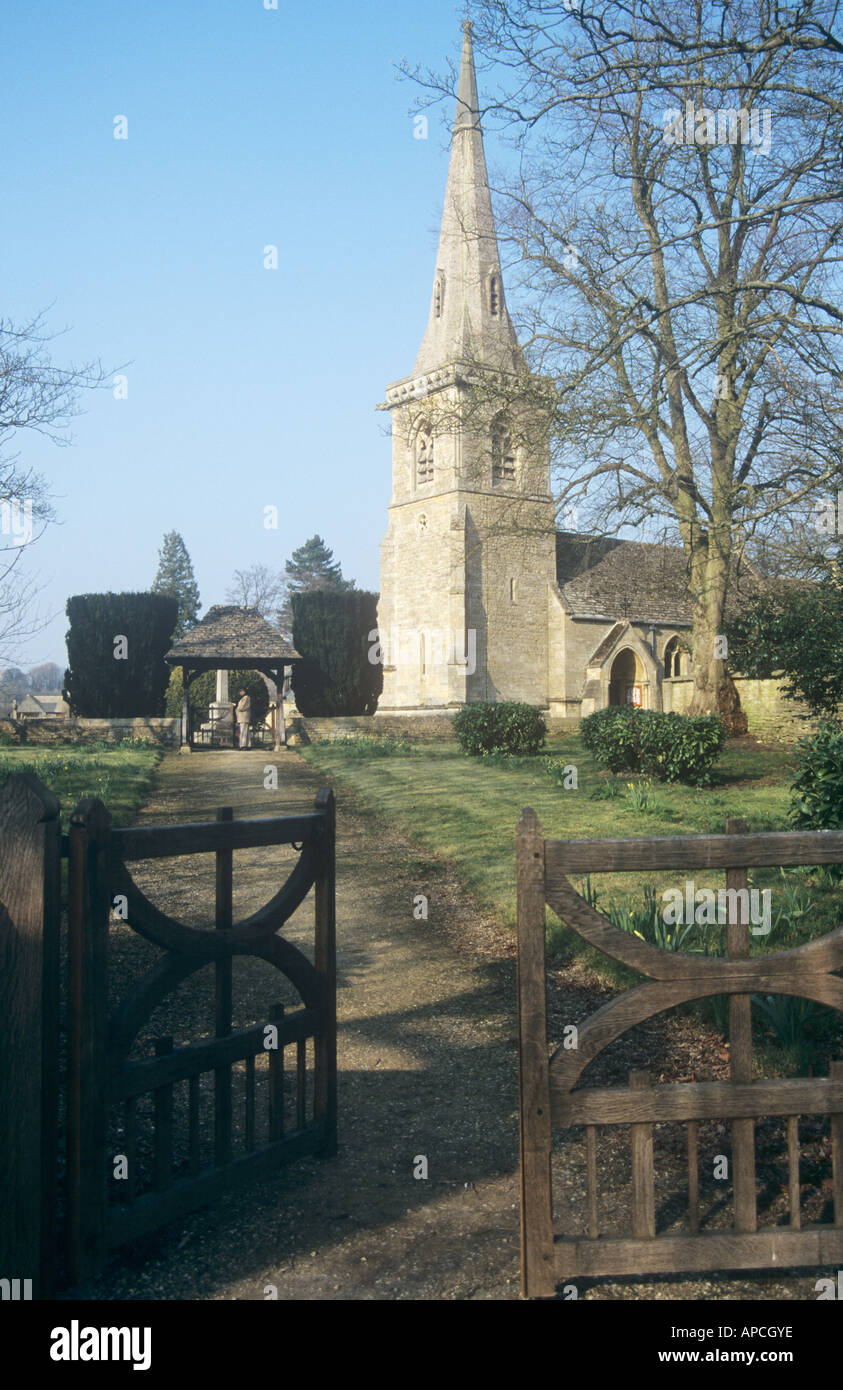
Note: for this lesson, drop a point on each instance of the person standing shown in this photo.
(243, 714)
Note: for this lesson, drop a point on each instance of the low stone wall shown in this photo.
(44, 732)
(432, 728)
(429, 727)
(770, 716)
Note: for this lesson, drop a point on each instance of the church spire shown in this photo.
(468, 317)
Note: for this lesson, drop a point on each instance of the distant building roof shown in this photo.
(42, 704)
(603, 577)
(232, 636)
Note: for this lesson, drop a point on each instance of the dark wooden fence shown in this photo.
(101, 1081)
(548, 1097)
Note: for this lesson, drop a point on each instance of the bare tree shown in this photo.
(259, 587)
(34, 395)
(675, 226)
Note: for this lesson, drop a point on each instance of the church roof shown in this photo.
(231, 635)
(606, 578)
(468, 319)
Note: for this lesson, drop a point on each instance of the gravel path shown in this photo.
(427, 1067)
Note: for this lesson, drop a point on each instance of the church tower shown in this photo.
(470, 547)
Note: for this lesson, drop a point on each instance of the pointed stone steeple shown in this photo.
(468, 317)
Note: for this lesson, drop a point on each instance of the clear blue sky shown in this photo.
(246, 386)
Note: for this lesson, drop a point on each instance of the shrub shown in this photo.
(611, 739)
(679, 747)
(507, 726)
(818, 803)
(331, 634)
(103, 685)
(672, 747)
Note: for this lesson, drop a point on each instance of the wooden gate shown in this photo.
(103, 1213)
(548, 1096)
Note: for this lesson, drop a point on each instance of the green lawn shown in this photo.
(118, 774)
(464, 811)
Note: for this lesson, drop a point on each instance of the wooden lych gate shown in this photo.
(548, 1097)
(119, 1107)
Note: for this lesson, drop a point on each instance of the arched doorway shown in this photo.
(626, 679)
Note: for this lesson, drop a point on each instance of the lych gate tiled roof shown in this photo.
(232, 634)
(601, 577)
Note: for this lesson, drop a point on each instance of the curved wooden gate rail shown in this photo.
(103, 1214)
(548, 1096)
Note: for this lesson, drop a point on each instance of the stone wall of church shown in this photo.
(510, 549)
(464, 568)
(573, 642)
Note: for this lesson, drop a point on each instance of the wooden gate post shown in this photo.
(538, 1273)
(223, 995)
(325, 961)
(88, 1074)
(30, 868)
(740, 1052)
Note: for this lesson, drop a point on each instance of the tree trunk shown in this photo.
(714, 690)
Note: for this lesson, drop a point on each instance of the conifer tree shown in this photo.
(312, 567)
(175, 577)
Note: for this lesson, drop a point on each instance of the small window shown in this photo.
(673, 659)
(503, 458)
(424, 456)
(512, 590)
(437, 299)
(494, 296)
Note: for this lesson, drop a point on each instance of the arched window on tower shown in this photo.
(494, 296)
(503, 455)
(424, 455)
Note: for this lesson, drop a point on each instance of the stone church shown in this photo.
(481, 596)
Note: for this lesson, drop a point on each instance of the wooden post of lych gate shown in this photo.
(325, 960)
(30, 867)
(88, 1077)
(740, 1053)
(538, 1278)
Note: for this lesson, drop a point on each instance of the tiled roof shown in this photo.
(602, 577)
(232, 634)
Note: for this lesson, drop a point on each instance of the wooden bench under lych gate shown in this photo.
(548, 1097)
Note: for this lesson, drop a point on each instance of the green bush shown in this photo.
(611, 739)
(818, 800)
(332, 633)
(108, 678)
(507, 726)
(672, 747)
(679, 747)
